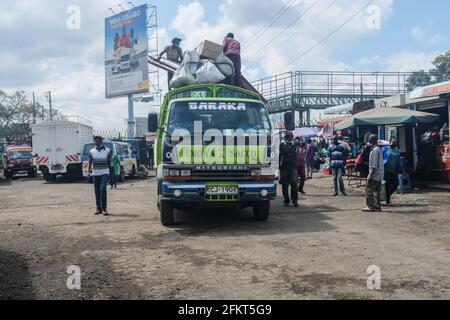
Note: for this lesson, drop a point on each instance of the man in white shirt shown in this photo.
(100, 162)
(375, 178)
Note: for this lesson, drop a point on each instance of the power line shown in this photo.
(302, 14)
(271, 22)
(328, 36)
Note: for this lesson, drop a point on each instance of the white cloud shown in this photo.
(409, 61)
(38, 53)
(423, 36)
(269, 56)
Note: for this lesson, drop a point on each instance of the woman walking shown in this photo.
(115, 171)
(310, 159)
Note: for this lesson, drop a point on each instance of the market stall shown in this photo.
(408, 120)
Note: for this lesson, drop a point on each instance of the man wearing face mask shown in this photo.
(288, 169)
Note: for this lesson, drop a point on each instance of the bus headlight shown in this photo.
(185, 173)
(256, 173)
(178, 193)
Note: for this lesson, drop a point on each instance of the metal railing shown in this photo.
(321, 89)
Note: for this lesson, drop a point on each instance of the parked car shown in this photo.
(18, 160)
(126, 153)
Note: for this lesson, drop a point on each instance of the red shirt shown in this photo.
(232, 46)
(300, 158)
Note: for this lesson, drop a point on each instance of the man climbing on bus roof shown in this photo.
(232, 49)
(174, 53)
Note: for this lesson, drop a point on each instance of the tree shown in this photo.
(418, 79)
(17, 115)
(440, 73)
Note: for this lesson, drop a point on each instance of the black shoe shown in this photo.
(302, 192)
(335, 194)
(105, 212)
(99, 211)
(295, 204)
(344, 194)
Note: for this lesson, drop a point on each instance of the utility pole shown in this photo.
(34, 109)
(131, 121)
(49, 97)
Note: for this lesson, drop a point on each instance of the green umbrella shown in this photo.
(387, 116)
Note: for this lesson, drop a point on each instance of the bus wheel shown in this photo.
(159, 196)
(166, 210)
(261, 211)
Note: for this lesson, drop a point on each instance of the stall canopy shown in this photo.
(305, 132)
(387, 116)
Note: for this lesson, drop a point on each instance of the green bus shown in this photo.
(214, 148)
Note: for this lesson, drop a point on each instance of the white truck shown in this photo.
(57, 146)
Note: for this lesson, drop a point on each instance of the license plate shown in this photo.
(214, 191)
(22, 172)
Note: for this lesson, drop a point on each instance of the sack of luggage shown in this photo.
(225, 65)
(209, 73)
(182, 77)
(191, 60)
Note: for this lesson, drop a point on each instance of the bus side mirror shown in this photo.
(152, 122)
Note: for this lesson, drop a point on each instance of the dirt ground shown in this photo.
(319, 251)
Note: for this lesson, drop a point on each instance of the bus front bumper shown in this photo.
(249, 192)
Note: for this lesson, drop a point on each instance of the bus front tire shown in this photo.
(167, 213)
(261, 211)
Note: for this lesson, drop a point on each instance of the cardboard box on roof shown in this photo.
(209, 50)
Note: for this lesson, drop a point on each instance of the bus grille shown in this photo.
(222, 174)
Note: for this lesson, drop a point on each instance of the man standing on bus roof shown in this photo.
(232, 49)
(174, 53)
(100, 161)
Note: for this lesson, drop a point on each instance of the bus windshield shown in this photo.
(220, 115)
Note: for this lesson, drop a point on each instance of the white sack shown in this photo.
(182, 77)
(209, 73)
(225, 65)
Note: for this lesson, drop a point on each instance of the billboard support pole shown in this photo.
(131, 122)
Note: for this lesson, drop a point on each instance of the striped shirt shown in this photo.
(101, 161)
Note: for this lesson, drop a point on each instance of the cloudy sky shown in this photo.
(39, 53)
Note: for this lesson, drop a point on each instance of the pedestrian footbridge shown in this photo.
(303, 91)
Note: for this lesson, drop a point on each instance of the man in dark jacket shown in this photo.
(288, 169)
(338, 153)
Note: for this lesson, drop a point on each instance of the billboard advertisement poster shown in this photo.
(126, 53)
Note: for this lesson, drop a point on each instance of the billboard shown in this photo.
(126, 53)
